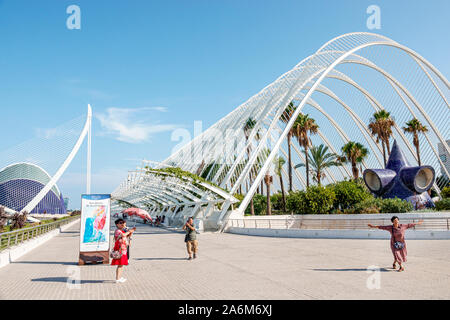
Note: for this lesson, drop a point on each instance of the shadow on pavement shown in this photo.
(160, 259)
(356, 269)
(65, 280)
(47, 262)
(156, 232)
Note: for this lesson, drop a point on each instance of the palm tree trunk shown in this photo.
(355, 170)
(269, 209)
(418, 156)
(252, 207)
(318, 174)
(387, 146)
(290, 161)
(416, 144)
(282, 192)
(384, 152)
(307, 166)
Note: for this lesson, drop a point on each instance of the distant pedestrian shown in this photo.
(398, 243)
(120, 248)
(191, 238)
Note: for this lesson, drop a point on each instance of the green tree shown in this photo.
(415, 127)
(381, 126)
(303, 127)
(354, 152)
(320, 159)
(279, 162)
(287, 115)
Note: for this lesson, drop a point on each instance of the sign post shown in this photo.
(95, 225)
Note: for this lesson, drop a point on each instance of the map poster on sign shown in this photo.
(94, 228)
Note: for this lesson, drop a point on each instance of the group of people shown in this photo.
(157, 222)
(122, 237)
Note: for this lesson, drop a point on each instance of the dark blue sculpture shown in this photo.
(401, 180)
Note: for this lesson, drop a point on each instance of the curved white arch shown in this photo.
(33, 203)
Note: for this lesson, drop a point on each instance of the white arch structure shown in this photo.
(86, 132)
(341, 85)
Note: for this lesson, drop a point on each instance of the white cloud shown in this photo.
(160, 109)
(129, 125)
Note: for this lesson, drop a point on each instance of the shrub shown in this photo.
(445, 192)
(443, 204)
(370, 205)
(348, 194)
(316, 200)
(395, 205)
(75, 213)
(378, 205)
(295, 202)
(277, 202)
(18, 220)
(259, 203)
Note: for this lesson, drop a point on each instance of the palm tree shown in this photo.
(354, 152)
(381, 126)
(320, 158)
(248, 127)
(268, 179)
(287, 115)
(303, 126)
(415, 127)
(279, 162)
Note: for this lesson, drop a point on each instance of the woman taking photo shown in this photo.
(398, 244)
(120, 248)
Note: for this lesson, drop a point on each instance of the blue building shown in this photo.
(21, 182)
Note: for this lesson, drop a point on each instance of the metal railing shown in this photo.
(298, 222)
(12, 238)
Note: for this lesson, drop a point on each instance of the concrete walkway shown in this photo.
(233, 267)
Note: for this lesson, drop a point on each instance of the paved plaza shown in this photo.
(233, 267)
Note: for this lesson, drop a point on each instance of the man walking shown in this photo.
(191, 238)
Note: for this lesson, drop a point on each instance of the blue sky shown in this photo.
(148, 67)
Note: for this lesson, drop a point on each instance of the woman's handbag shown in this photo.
(398, 245)
(115, 254)
(186, 238)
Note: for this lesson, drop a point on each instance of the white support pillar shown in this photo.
(89, 154)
